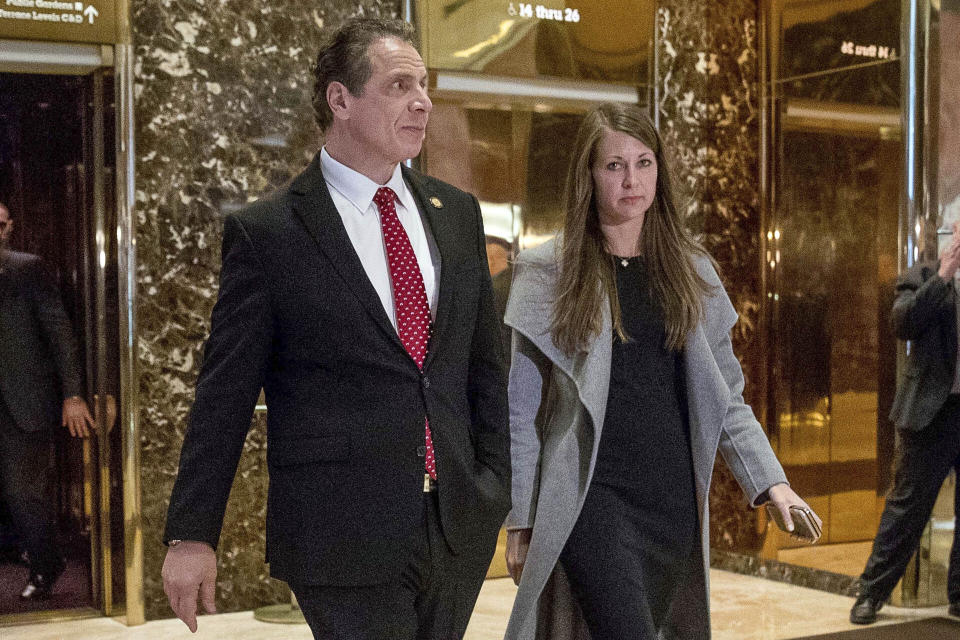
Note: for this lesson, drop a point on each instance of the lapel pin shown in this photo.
(435, 201)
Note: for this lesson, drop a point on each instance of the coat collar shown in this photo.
(312, 203)
(358, 188)
(708, 397)
(530, 311)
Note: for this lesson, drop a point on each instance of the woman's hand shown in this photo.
(783, 497)
(518, 542)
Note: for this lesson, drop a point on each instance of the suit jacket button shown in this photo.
(422, 451)
(426, 382)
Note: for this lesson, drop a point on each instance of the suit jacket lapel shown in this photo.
(442, 236)
(312, 203)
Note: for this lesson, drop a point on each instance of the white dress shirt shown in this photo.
(352, 194)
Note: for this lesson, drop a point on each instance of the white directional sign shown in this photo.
(60, 20)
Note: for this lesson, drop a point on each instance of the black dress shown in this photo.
(637, 535)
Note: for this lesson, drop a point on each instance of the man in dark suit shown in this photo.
(358, 297)
(926, 412)
(40, 385)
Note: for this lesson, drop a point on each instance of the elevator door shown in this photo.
(833, 355)
(56, 179)
(831, 263)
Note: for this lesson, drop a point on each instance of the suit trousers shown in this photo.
(25, 471)
(432, 599)
(924, 461)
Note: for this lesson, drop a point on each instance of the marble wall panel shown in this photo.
(948, 122)
(709, 117)
(752, 565)
(222, 117)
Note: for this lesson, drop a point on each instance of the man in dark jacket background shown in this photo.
(926, 412)
(40, 385)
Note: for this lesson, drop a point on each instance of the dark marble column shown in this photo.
(222, 117)
(709, 112)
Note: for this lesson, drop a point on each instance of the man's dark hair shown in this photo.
(343, 58)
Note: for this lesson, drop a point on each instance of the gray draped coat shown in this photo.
(557, 408)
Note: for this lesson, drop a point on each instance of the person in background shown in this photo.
(500, 260)
(926, 413)
(40, 387)
(623, 387)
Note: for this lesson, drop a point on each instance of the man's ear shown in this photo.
(339, 98)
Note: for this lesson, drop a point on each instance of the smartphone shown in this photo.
(804, 524)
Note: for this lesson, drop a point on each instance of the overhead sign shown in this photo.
(867, 50)
(59, 20)
(838, 36)
(609, 41)
(843, 52)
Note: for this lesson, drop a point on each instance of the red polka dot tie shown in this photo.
(409, 295)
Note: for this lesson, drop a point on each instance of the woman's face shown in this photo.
(624, 178)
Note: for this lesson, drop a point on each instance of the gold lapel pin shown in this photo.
(435, 201)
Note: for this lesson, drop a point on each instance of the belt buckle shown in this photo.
(428, 483)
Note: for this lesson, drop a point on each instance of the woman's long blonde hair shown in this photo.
(587, 274)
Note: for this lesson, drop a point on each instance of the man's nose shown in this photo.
(422, 101)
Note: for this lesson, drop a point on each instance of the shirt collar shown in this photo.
(358, 188)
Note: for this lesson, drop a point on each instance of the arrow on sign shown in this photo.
(91, 12)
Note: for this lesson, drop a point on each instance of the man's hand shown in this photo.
(783, 497)
(190, 571)
(76, 417)
(518, 542)
(950, 258)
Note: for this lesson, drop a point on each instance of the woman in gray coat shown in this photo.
(623, 387)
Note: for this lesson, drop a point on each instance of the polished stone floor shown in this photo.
(744, 608)
(846, 558)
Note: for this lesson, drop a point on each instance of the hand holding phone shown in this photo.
(805, 525)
